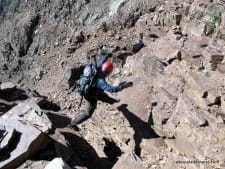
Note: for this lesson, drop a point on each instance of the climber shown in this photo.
(99, 84)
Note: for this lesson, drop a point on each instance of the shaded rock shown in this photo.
(129, 161)
(57, 163)
(5, 106)
(7, 136)
(213, 57)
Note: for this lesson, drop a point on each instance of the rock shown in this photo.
(207, 88)
(223, 19)
(28, 140)
(213, 57)
(30, 113)
(57, 163)
(129, 161)
(78, 37)
(194, 57)
(7, 85)
(71, 49)
(34, 164)
(194, 28)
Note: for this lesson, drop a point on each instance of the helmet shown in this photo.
(107, 67)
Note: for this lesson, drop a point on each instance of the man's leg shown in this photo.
(91, 105)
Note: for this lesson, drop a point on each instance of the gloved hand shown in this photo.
(126, 84)
(104, 52)
(109, 54)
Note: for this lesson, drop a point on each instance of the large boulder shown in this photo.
(27, 141)
(31, 114)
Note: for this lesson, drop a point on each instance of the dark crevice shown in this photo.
(205, 95)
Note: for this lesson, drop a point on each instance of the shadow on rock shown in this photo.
(13, 94)
(87, 153)
(104, 97)
(58, 121)
(48, 105)
(142, 129)
(5, 153)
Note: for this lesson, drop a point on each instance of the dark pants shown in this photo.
(90, 108)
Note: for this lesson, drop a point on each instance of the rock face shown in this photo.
(173, 52)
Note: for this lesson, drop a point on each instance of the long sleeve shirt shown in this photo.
(101, 83)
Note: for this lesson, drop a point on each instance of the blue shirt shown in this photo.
(101, 83)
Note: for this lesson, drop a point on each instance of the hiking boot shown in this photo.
(74, 127)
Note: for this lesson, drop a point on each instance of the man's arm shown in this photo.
(104, 86)
(103, 59)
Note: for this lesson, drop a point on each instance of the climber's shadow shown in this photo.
(86, 154)
(104, 97)
(142, 129)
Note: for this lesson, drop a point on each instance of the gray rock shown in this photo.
(7, 85)
(30, 113)
(28, 141)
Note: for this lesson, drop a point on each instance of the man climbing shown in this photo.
(99, 84)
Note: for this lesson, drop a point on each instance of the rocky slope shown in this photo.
(173, 116)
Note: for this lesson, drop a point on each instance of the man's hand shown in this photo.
(109, 55)
(126, 84)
